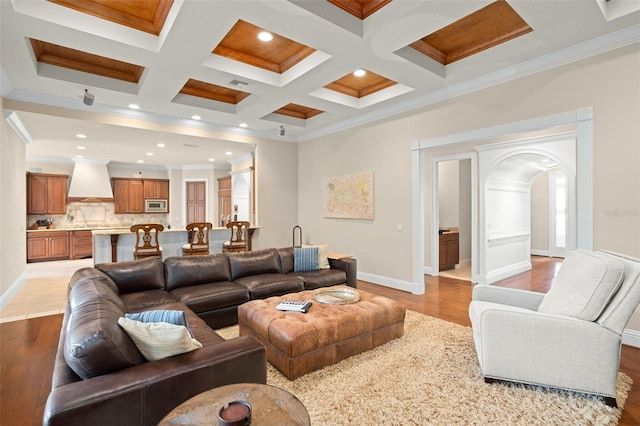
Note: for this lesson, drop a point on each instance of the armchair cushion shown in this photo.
(585, 284)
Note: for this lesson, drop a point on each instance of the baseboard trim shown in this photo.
(409, 286)
(535, 252)
(506, 272)
(11, 291)
(631, 337)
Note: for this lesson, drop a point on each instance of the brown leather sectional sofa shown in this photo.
(100, 377)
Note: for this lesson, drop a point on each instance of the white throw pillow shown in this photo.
(157, 340)
(585, 284)
(323, 252)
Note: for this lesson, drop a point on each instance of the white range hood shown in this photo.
(90, 182)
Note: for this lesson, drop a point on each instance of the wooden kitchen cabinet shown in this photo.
(46, 193)
(449, 250)
(47, 245)
(224, 196)
(81, 244)
(156, 189)
(128, 195)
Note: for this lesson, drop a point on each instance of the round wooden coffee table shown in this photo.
(269, 406)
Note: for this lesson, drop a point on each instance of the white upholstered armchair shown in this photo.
(569, 338)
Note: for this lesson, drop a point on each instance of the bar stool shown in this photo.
(147, 244)
(198, 244)
(238, 240)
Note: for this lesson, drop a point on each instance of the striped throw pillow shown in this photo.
(305, 259)
(165, 315)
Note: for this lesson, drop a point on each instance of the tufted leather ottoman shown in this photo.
(300, 343)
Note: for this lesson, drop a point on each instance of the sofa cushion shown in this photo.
(135, 275)
(322, 278)
(207, 297)
(94, 343)
(257, 262)
(158, 340)
(181, 271)
(585, 283)
(86, 285)
(305, 259)
(267, 285)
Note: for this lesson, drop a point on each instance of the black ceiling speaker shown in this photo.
(88, 98)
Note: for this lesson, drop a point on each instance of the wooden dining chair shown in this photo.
(238, 240)
(198, 244)
(147, 244)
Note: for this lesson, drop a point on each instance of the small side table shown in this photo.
(269, 406)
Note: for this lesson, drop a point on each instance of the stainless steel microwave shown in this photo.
(155, 206)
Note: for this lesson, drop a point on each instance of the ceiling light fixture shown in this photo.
(212, 159)
(265, 36)
(196, 117)
(228, 153)
(160, 145)
(140, 161)
(88, 98)
(243, 124)
(134, 106)
(80, 147)
(149, 154)
(359, 73)
(81, 136)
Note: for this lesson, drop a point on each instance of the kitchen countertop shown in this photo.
(113, 230)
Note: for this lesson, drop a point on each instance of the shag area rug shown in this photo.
(431, 376)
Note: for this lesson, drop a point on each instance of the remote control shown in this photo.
(294, 305)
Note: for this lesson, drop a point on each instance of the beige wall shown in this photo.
(13, 208)
(609, 83)
(540, 214)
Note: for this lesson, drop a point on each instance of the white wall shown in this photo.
(384, 148)
(449, 193)
(13, 210)
(540, 215)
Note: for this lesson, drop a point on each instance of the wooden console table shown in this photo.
(269, 406)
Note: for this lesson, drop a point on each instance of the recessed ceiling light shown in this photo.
(196, 117)
(140, 161)
(243, 124)
(80, 147)
(134, 106)
(149, 154)
(79, 156)
(265, 36)
(212, 159)
(359, 73)
(160, 145)
(81, 136)
(228, 153)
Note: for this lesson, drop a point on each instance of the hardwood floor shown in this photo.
(28, 347)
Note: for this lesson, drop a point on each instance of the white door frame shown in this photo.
(581, 118)
(554, 250)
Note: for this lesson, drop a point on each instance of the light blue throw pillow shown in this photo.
(168, 316)
(305, 259)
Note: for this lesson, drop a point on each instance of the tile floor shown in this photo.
(463, 273)
(44, 291)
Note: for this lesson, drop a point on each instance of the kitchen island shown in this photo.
(116, 244)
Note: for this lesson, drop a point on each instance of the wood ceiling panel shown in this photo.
(481, 30)
(143, 15)
(53, 54)
(360, 8)
(298, 111)
(359, 87)
(280, 54)
(213, 92)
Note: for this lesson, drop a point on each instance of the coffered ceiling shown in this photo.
(179, 59)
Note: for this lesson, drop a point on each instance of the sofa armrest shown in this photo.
(508, 296)
(144, 394)
(350, 267)
(515, 344)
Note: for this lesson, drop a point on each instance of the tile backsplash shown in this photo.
(90, 215)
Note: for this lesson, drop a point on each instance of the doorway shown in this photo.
(196, 201)
(423, 216)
